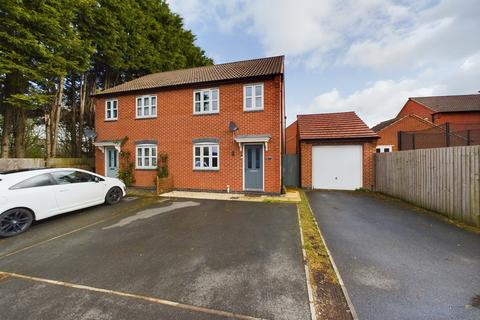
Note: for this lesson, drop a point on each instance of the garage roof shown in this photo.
(340, 125)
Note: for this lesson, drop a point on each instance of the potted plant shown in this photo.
(164, 179)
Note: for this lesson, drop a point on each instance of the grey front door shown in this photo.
(253, 167)
(111, 162)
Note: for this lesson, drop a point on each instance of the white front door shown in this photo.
(337, 167)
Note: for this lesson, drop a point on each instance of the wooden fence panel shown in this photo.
(30, 163)
(23, 163)
(446, 180)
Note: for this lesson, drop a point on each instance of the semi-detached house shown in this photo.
(222, 126)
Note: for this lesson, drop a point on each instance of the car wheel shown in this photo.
(114, 196)
(15, 221)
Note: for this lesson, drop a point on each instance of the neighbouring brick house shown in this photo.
(431, 122)
(388, 130)
(442, 109)
(222, 126)
(336, 151)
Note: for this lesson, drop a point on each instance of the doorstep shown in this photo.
(292, 196)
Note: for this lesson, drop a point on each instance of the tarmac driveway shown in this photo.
(178, 259)
(398, 263)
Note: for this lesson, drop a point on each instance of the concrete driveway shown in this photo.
(177, 259)
(398, 263)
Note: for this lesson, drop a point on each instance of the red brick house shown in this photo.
(336, 151)
(457, 109)
(431, 122)
(222, 126)
(388, 130)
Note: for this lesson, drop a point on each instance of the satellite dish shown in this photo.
(90, 133)
(232, 127)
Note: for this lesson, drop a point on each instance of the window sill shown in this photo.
(111, 120)
(206, 170)
(146, 169)
(253, 110)
(145, 118)
(205, 113)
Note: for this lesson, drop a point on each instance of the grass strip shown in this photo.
(329, 300)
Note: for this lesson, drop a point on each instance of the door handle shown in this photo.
(64, 190)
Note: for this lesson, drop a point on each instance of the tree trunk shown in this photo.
(6, 130)
(20, 119)
(81, 113)
(56, 113)
(48, 134)
(73, 124)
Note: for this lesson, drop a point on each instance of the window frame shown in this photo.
(382, 148)
(210, 101)
(106, 109)
(150, 157)
(210, 156)
(253, 97)
(150, 115)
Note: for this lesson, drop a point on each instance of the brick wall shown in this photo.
(389, 135)
(368, 154)
(305, 164)
(175, 126)
(291, 138)
(412, 107)
(457, 117)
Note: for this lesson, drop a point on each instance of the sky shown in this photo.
(366, 56)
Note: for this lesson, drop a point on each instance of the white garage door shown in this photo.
(337, 167)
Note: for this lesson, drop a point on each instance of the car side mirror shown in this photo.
(96, 179)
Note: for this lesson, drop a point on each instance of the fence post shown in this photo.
(447, 133)
(399, 141)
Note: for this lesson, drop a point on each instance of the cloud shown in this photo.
(377, 34)
(434, 36)
(379, 101)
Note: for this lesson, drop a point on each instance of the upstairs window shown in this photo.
(147, 107)
(205, 157)
(206, 101)
(253, 97)
(147, 156)
(111, 109)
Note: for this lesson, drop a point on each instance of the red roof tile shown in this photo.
(220, 72)
(341, 125)
(469, 102)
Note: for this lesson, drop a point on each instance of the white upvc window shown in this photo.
(146, 156)
(111, 109)
(206, 101)
(253, 97)
(384, 148)
(146, 106)
(206, 156)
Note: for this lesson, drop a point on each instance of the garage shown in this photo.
(336, 151)
(344, 163)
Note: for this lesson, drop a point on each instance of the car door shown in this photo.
(78, 189)
(36, 193)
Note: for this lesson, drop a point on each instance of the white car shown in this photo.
(36, 194)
